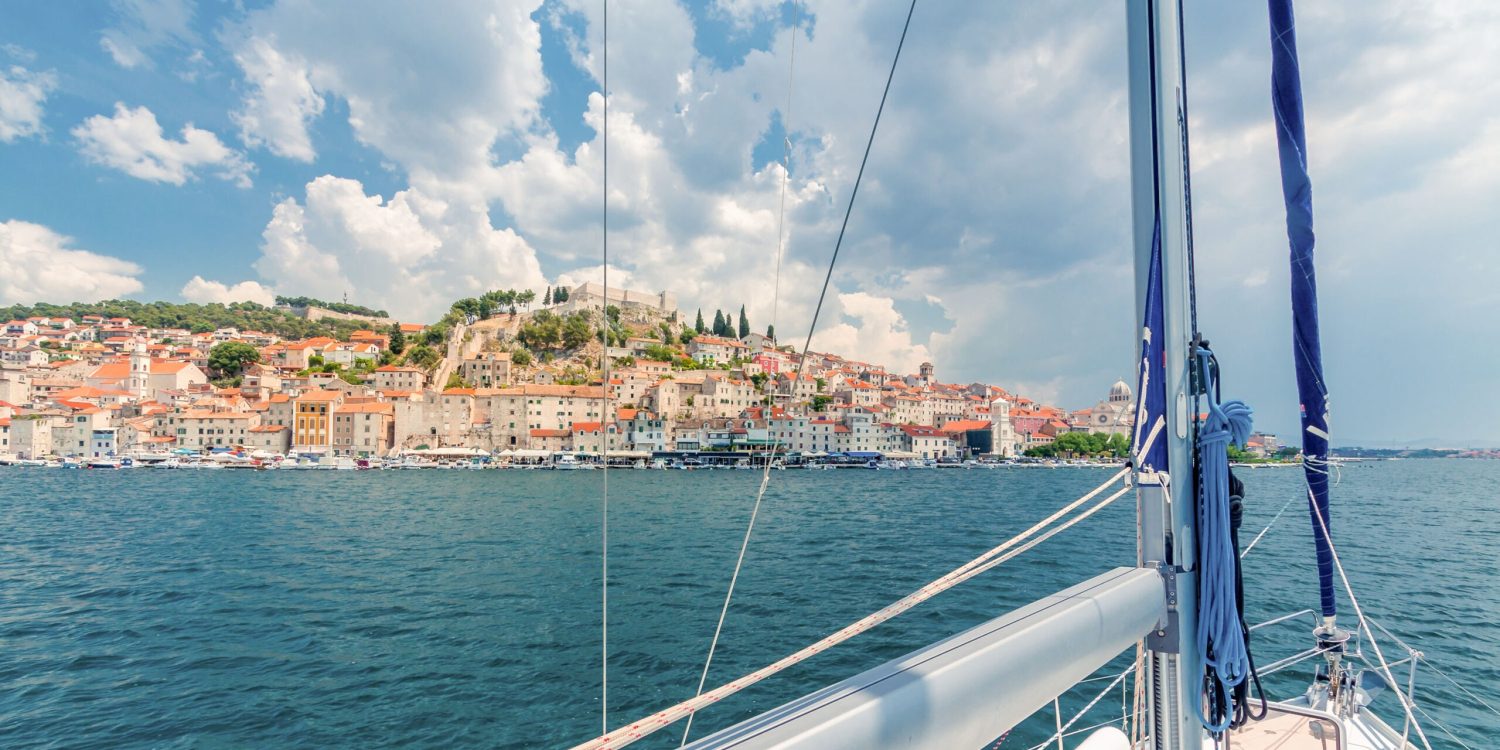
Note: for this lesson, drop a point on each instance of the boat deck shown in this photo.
(1289, 727)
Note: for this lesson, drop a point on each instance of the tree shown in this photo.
(771, 333)
(699, 327)
(547, 298)
(455, 381)
(687, 336)
(659, 353)
(718, 323)
(576, 331)
(526, 298)
(520, 358)
(423, 356)
(744, 323)
(821, 402)
(398, 339)
(561, 294)
(230, 358)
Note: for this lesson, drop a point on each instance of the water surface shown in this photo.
(147, 609)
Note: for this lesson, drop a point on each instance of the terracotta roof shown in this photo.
(586, 426)
(366, 408)
(549, 433)
(210, 414)
(964, 425)
(316, 396)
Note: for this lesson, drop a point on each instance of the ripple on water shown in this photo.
(457, 609)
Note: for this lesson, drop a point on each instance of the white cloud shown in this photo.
(41, 267)
(412, 255)
(22, 93)
(201, 290)
(132, 142)
(432, 91)
(880, 336)
(142, 25)
(283, 102)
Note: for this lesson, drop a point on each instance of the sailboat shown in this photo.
(1177, 607)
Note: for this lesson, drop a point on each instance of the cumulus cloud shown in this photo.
(872, 332)
(142, 25)
(281, 104)
(201, 290)
(412, 254)
(997, 193)
(132, 142)
(40, 266)
(22, 93)
(432, 91)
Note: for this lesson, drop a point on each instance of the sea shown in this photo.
(456, 609)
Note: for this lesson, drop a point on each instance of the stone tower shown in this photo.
(140, 372)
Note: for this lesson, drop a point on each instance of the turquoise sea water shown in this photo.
(461, 609)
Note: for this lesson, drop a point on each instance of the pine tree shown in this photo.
(744, 323)
(718, 323)
(547, 299)
(699, 327)
(398, 339)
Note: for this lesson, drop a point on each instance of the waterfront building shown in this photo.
(205, 429)
(364, 429)
(927, 442)
(312, 430)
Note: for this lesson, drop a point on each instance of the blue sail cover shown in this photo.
(1296, 189)
(1150, 444)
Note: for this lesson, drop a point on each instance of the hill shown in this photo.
(246, 316)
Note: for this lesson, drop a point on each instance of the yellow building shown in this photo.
(312, 427)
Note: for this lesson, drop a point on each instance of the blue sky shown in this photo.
(411, 154)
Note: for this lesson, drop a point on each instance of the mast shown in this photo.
(1164, 422)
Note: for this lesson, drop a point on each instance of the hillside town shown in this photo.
(99, 387)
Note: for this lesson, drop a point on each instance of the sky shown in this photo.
(409, 154)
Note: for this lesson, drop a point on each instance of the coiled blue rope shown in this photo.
(1222, 651)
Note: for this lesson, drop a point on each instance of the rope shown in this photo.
(605, 417)
(1008, 550)
(765, 477)
(1262, 533)
(1222, 651)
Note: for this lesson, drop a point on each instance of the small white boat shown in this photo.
(567, 462)
(104, 463)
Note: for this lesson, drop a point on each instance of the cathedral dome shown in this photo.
(1119, 391)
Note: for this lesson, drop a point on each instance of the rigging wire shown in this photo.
(604, 360)
(812, 325)
(1359, 616)
(1062, 730)
(770, 408)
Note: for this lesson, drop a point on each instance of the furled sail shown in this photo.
(1296, 189)
(1150, 444)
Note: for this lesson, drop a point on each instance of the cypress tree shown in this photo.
(771, 333)
(718, 323)
(547, 300)
(744, 323)
(699, 327)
